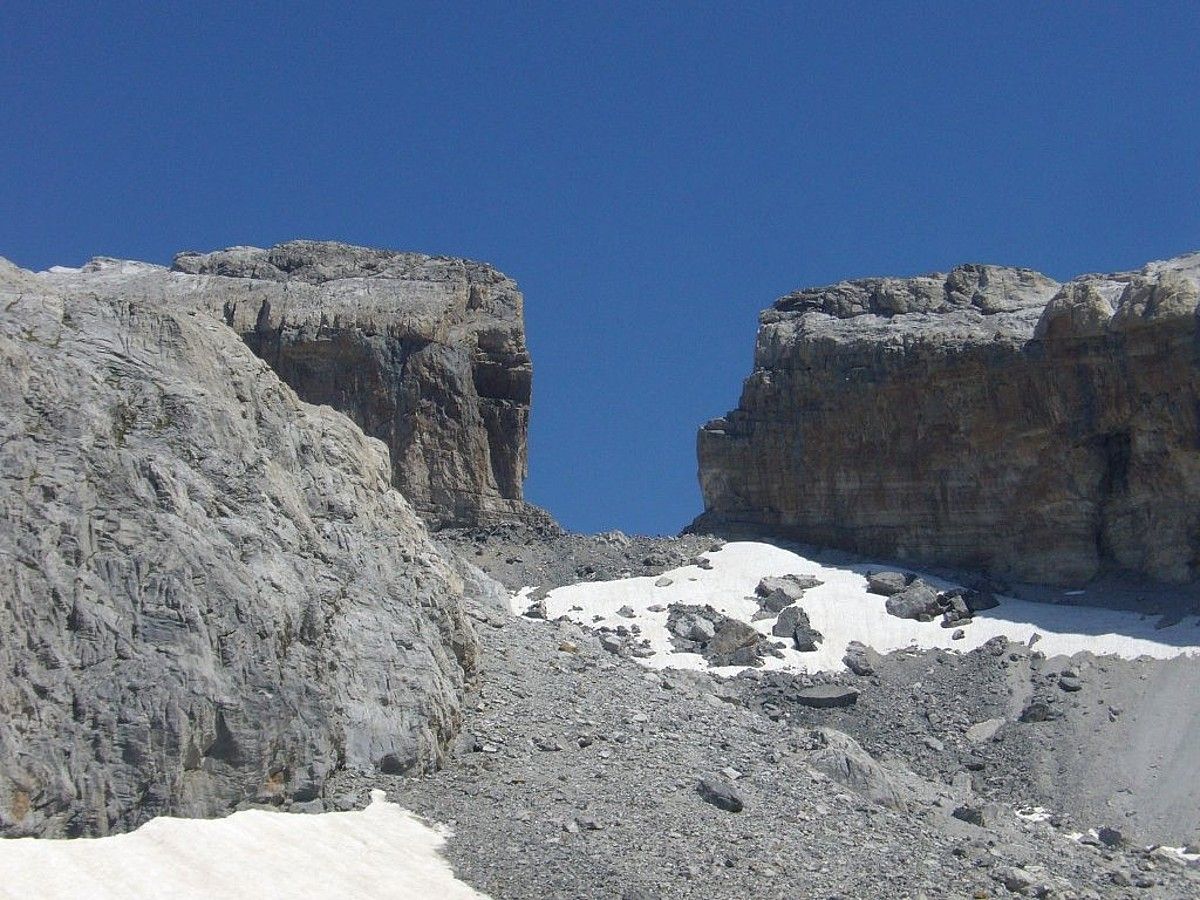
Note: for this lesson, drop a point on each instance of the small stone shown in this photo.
(958, 635)
(1111, 837)
(1120, 878)
(611, 643)
(1039, 712)
(720, 794)
(972, 815)
(1015, 879)
(627, 612)
(664, 582)
(1070, 683)
(984, 731)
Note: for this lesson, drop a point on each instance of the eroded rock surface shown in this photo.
(210, 593)
(425, 353)
(990, 418)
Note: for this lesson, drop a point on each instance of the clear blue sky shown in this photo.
(652, 174)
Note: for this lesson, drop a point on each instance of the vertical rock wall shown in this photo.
(425, 353)
(988, 418)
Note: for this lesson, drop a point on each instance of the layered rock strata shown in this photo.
(425, 353)
(989, 418)
(210, 593)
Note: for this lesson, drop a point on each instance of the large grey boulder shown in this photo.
(426, 353)
(843, 759)
(988, 418)
(917, 601)
(210, 593)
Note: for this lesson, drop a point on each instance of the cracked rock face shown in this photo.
(990, 418)
(425, 353)
(210, 593)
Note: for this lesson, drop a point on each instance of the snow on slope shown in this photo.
(380, 852)
(843, 611)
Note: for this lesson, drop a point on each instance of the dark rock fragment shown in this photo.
(720, 793)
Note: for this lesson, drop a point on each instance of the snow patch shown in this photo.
(380, 852)
(843, 611)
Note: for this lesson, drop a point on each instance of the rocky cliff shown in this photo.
(425, 353)
(990, 418)
(209, 591)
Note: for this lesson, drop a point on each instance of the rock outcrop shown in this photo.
(990, 418)
(210, 593)
(425, 353)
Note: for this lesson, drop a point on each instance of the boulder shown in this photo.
(731, 635)
(720, 793)
(842, 758)
(694, 627)
(984, 731)
(777, 592)
(860, 659)
(888, 583)
(917, 601)
(793, 623)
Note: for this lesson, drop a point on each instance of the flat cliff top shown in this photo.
(973, 304)
(315, 283)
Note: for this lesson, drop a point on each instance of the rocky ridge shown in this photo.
(426, 353)
(989, 419)
(210, 594)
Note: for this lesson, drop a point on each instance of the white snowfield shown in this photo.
(843, 611)
(380, 852)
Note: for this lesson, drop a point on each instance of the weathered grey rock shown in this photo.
(789, 586)
(732, 635)
(971, 601)
(209, 591)
(984, 731)
(720, 793)
(793, 623)
(842, 758)
(987, 419)
(888, 583)
(917, 601)
(694, 627)
(789, 619)
(425, 353)
(860, 659)
(1070, 683)
(1016, 879)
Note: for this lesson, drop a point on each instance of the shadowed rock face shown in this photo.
(989, 418)
(425, 353)
(209, 591)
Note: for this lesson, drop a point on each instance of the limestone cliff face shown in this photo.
(425, 353)
(210, 592)
(989, 418)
